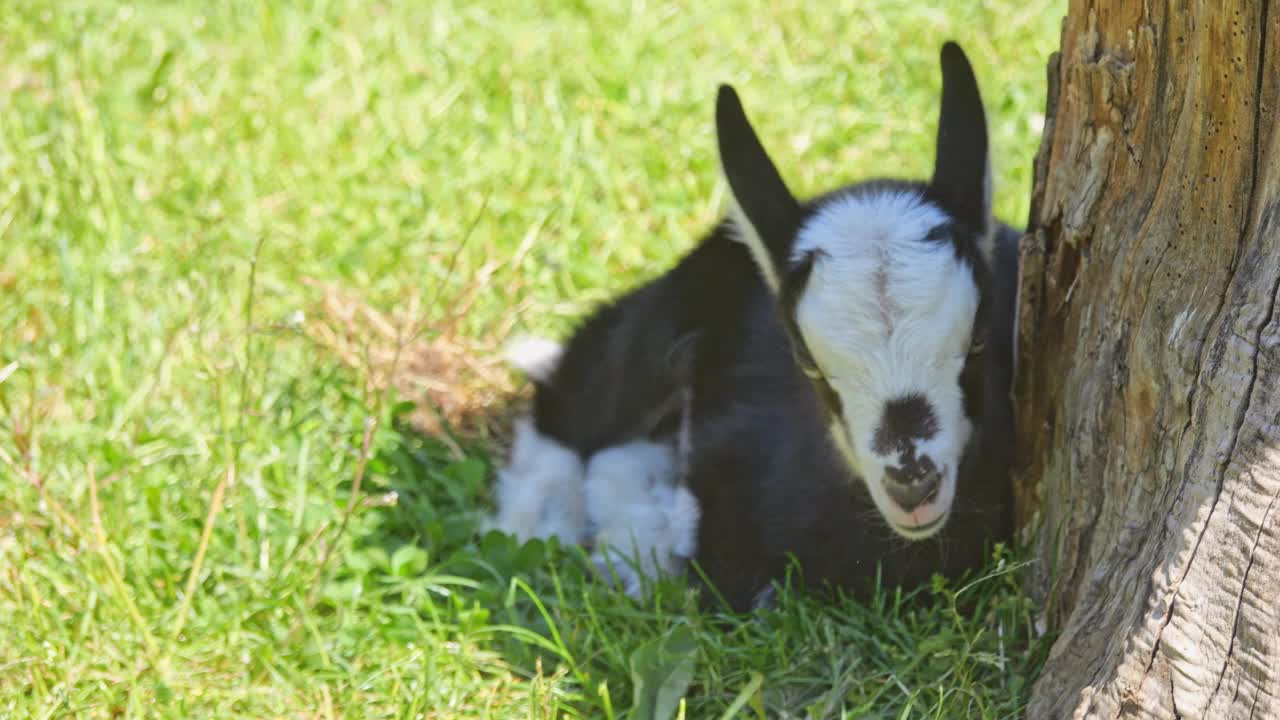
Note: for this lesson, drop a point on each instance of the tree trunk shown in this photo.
(1149, 381)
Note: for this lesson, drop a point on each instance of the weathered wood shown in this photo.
(1149, 379)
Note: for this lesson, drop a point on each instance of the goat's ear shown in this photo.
(962, 169)
(765, 211)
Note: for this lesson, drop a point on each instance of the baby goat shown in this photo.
(826, 380)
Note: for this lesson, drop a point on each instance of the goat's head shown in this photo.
(880, 286)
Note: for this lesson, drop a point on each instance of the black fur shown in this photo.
(906, 419)
(961, 154)
(760, 189)
(622, 373)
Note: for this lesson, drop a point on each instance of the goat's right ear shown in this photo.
(765, 211)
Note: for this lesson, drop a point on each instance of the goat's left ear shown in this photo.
(962, 168)
(766, 212)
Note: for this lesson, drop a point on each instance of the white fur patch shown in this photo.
(540, 491)
(534, 356)
(645, 524)
(887, 314)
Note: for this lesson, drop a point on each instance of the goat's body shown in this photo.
(769, 481)
(622, 374)
(825, 380)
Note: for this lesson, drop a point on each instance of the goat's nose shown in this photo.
(912, 486)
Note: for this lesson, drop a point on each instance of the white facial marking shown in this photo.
(888, 314)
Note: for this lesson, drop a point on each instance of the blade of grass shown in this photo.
(118, 586)
(193, 576)
(749, 693)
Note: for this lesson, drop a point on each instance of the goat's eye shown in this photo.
(978, 346)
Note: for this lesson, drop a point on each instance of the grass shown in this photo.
(214, 499)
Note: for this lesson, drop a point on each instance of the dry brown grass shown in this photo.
(460, 386)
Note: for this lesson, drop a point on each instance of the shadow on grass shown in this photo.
(963, 649)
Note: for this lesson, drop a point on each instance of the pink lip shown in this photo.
(921, 517)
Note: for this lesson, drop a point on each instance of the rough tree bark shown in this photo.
(1149, 381)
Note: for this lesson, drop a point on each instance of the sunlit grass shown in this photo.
(502, 164)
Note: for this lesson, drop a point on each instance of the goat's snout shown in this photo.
(914, 484)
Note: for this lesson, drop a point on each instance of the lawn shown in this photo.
(257, 260)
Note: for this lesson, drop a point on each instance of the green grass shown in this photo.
(171, 172)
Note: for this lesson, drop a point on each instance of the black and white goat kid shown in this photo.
(826, 380)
